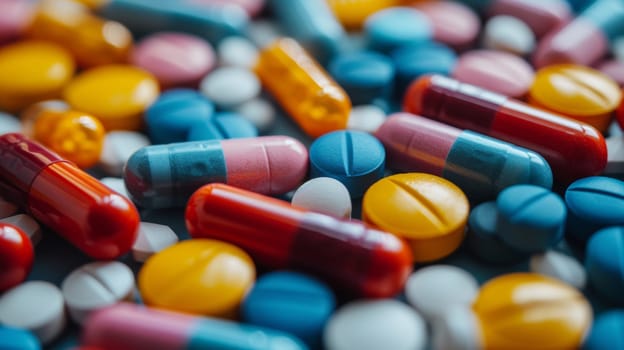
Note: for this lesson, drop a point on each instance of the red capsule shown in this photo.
(94, 218)
(573, 149)
(16, 256)
(352, 257)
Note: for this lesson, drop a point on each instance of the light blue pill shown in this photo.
(483, 240)
(593, 203)
(290, 302)
(365, 76)
(224, 125)
(530, 218)
(17, 339)
(395, 27)
(355, 158)
(607, 332)
(174, 113)
(604, 261)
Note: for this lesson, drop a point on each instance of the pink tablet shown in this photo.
(176, 59)
(15, 15)
(454, 24)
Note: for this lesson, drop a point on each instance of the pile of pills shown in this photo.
(311, 174)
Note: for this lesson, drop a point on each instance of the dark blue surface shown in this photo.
(291, 302)
(174, 113)
(593, 203)
(354, 158)
(607, 332)
(530, 218)
(223, 125)
(365, 76)
(17, 339)
(397, 26)
(604, 262)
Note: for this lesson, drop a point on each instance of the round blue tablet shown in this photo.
(413, 61)
(224, 125)
(291, 302)
(397, 26)
(530, 218)
(604, 261)
(365, 76)
(170, 118)
(482, 239)
(593, 203)
(354, 158)
(17, 339)
(607, 332)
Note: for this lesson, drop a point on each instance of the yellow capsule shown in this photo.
(304, 89)
(353, 13)
(75, 136)
(198, 276)
(91, 40)
(579, 92)
(531, 311)
(32, 71)
(115, 94)
(428, 211)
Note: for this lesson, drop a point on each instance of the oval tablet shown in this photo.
(116, 94)
(324, 195)
(507, 33)
(454, 23)
(199, 276)
(229, 87)
(560, 266)
(428, 211)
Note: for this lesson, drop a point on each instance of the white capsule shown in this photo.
(434, 289)
(509, 34)
(118, 147)
(96, 285)
(151, 239)
(29, 225)
(36, 306)
(456, 329)
(375, 324)
(560, 266)
(259, 112)
(229, 87)
(367, 118)
(324, 195)
(238, 52)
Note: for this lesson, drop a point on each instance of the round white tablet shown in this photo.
(375, 324)
(366, 118)
(456, 329)
(7, 208)
(434, 289)
(117, 184)
(238, 52)
(96, 285)
(324, 195)
(36, 306)
(9, 123)
(560, 266)
(151, 239)
(118, 147)
(229, 87)
(263, 32)
(29, 225)
(259, 112)
(507, 33)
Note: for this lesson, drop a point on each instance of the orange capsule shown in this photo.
(75, 136)
(304, 89)
(91, 40)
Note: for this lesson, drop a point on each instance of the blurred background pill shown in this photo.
(560, 266)
(118, 146)
(367, 118)
(151, 239)
(453, 23)
(17, 338)
(507, 33)
(229, 87)
(238, 52)
(603, 260)
(397, 26)
(260, 112)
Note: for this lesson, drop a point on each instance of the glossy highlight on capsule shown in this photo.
(573, 149)
(352, 257)
(91, 216)
(163, 176)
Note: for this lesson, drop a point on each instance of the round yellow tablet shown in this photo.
(427, 210)
(579, 92)
(115, 94)
(198, 276)
(531, 311)
(31, 71)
